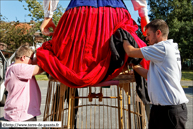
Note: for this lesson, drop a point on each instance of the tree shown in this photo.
(14, 34)
(37, 13)
(179, 16)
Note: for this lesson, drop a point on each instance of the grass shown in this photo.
(186, 75)
(41, 77)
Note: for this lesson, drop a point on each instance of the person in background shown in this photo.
(168, 98)
(24, 96)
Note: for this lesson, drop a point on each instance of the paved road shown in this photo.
(188, 88)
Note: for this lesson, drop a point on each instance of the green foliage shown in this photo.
(14, 35)
(179, 16)
(37, 13)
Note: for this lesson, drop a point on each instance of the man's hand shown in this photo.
(144, 22)
(131, 51)
(46, 24)
(141, 71)
(34, 61)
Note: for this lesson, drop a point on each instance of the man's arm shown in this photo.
(131, 51)
(135, 52)
(141, 71)
(37, 70)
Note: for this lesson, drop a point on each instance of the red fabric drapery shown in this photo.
(78, 54)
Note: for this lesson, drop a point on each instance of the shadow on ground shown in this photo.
(188, 91)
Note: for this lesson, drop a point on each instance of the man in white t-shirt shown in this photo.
(163, 77)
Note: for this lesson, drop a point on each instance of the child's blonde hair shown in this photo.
(23, 50)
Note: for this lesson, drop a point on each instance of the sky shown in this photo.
(13, 10)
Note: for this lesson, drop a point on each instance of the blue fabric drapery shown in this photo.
(96, 3)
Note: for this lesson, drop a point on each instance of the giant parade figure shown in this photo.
(79, 53)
